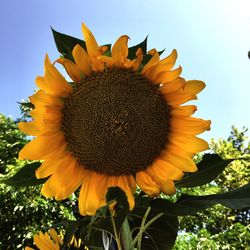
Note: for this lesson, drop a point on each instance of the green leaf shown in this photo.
(118, 195)
(121, 210)
(188, 204)
(108, 51)
(65, 44)
(132, 50)
(208, 169)
(25, 176)
(162, 233)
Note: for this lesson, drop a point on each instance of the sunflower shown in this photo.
(119, 123)
(51, 240)
(47, 241)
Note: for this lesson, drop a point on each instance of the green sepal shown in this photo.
(118, 195)
(189, 204)
(65, 44)
(108, 51)
(25, 176)
(132, 50)
(208, 169)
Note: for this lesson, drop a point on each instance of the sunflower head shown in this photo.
(121, 122)
(52, 240)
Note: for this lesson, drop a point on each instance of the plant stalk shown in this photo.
(126, 236)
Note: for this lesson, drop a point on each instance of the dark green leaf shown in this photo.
(208, 169)
(121, 210)
(108, 51)
(188, 205)
(65, 44)
(25, 176)
(161, 234)
(132, 50)
(118, 195)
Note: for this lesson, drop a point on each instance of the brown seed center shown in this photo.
(115, 122)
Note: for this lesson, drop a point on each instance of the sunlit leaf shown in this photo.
(208, 169)
(25, 176)
(189, 204)
(132, 50)
(65, 44)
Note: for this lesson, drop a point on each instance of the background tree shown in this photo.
(11, 142)
(23, 211)
(220, 227)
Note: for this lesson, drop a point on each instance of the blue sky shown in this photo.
(212, 39)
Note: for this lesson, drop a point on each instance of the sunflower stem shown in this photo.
(126, 236)
(115, 233)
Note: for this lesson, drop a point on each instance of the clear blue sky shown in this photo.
(212, 38)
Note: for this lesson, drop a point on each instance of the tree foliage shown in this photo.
(23, 211)
(220, 227)
(11, 142)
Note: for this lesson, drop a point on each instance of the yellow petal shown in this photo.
(136, 63)
(97, 65)
(188, 143)
(179, 159)
(168, 76)
(168, 187)
(32, 128)
(43, 146)
(161, 67)
(48, 167)
(55, 236)
(40, 98)
(163, 174)
(65, 180)
(173, 86)
(178, 97)
(91, 44)
(183, 111)
(169, 61)
(103, 49)
(54, 83)
(194, 87)
(109, 61)
(92, 193)
(189, 125)
(147, 184)
(82, 59)
(71, 69)
(152, 62)
(127, 184)
(152, 52)
(120, 50)
(162, 171)
(44, 242)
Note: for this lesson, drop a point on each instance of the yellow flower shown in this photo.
(120, 123)
(47, 241)
(52, 241)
